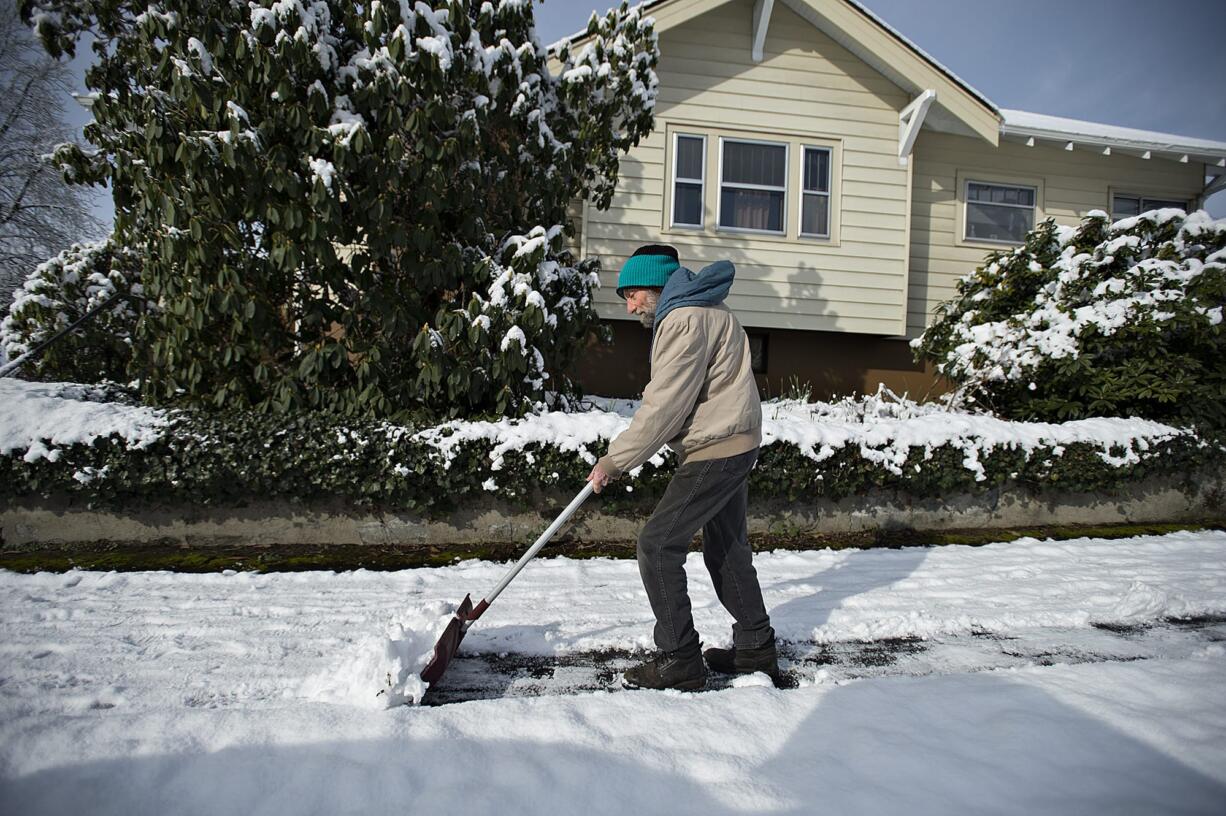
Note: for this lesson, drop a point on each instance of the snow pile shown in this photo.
(41, 418)
(1144, 602)
(384, 670)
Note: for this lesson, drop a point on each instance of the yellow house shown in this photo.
(852, 179)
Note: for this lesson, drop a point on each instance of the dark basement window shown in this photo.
(758, 351)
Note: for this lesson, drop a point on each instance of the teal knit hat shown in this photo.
(649, 266)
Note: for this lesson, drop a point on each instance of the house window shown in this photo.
(689, 159)
(1123, 206)
(752, 185)
(758, 343)
(999, 212)
(815, 192)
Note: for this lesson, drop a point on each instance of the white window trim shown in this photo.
(829, 194)
(795, 138)
(966, 203)
(719, 197)
(702, 184)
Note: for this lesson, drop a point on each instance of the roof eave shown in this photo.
(1173, 150)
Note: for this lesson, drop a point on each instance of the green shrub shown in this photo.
(358, 208)
(1100, 320)
(60, 291)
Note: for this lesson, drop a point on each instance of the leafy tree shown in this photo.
(1104, 319)
(39, 214)
(355, 207)
(59, 291)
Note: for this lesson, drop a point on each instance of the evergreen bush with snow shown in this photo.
(64, 440)
(1104, 319)
(61, 290)
(356, 208)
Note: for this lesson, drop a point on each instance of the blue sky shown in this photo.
(1136, 63)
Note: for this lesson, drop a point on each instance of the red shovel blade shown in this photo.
(449, 642)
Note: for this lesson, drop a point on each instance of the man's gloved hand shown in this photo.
(598, 478)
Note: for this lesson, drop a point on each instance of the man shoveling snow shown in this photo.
(703, 402)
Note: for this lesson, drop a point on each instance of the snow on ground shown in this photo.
(245, 693)
(36, 419)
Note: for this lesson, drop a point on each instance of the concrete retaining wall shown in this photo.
(34, 524)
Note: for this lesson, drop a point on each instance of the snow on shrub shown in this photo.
(61, 290)
(43, 420)
(57, 441)
(1104, 319)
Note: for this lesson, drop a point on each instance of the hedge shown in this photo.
(232, 459)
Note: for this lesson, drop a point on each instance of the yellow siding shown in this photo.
(1070, 183)
(895, 250)
(807, 89)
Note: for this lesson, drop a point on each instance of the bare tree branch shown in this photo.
(40, 214)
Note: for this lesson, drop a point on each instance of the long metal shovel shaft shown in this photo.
(540, 542)
(449, 642)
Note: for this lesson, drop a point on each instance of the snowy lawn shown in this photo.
(243, 693)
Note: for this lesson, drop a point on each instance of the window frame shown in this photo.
(1115, 193)
(965, 178)
(829, 194)
(663, 205)
(673, 223)
(719, 195)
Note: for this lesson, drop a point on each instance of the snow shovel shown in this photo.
(449, 643)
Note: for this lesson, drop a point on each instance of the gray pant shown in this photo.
(711, 495)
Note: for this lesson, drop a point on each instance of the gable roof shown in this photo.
(958, 107)
(902, 38)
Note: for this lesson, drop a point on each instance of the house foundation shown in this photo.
(828, 364)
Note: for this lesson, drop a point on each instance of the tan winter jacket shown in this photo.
(702, 399)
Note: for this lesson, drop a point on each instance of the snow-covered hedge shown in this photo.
(1105, 319)
(58, 439)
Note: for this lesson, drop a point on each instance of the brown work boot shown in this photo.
(669, 670)
(763, 659)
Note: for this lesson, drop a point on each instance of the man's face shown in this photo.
(643, 303)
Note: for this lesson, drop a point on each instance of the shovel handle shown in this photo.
(535, 548)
